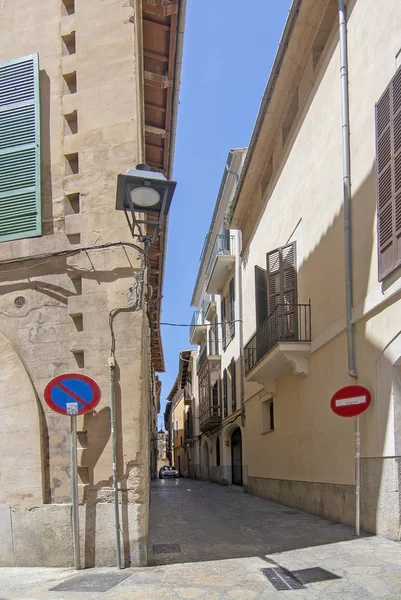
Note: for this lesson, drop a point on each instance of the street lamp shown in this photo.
(143, 191)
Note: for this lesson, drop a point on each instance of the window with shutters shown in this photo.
(223, 323)
(267, 421)
(388, 167)
(260, 296)
(225, 393)
(20, 214)
(233, 386)
(231, 303)
(282, 292)
(216, 335)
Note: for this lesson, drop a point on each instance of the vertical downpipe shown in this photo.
(114, 458)
(347, 186)
(348, 239)
(238, 296)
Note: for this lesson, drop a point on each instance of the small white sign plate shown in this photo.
(350, 401)
(72, 408)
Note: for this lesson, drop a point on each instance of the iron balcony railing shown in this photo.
(207, 300)
(198, 318)
(224, 244)
(201, 357)
(209, 415)
(210, 348)
(287, 323)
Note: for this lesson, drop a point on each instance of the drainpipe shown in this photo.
(238, 279)
(112, 366)
(348, 243)
(347, 185)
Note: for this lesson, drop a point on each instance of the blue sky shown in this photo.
(228, 53)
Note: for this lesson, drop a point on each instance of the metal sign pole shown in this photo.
(357, 475)
(73, 410)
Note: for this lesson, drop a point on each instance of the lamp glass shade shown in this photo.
(144, 197)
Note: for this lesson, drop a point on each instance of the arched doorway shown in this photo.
(205, 461)
(236, 456)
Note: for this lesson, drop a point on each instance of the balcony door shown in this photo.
(236, 456)
(282, 294)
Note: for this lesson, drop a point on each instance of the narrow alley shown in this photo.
(213, 542)
(203, 521)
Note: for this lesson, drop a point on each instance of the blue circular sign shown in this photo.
(72, 393)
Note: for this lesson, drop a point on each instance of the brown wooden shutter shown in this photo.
(282, 292)
(225, 393)
(290, 296)
(232, 308)
(233, 386)
(260, 296)
(388, 166)
(223, 323)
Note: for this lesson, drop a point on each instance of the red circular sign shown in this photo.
(351, 401)
(70, 389)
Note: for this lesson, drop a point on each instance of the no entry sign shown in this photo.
(351, 401)
(72, 391)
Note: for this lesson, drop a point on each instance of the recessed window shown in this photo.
(72, 164)
(77, 283)
(74, 238)
(74, 203)
(79, 356)
(67, 7)
(78, 321)
(69, 45)
(71, 123)
(267, 415)
(70, 83)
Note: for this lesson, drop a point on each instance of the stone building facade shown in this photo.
(87, 90)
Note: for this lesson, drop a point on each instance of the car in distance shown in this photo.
(167, 472)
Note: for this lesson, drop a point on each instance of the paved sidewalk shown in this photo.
(227, 542)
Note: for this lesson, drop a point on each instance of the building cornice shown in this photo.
(163, 23)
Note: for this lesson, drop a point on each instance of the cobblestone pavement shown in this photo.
(228, 541)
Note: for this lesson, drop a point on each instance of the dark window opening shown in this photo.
(233, 386)
(225, 393)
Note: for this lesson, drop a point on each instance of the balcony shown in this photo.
(207, 354)
(209, 390)
(210, 307)
(210, 418)
(282, 342)
(198, 328)
(188, 435)
(221, 263)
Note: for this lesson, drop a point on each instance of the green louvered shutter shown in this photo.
(19, 149)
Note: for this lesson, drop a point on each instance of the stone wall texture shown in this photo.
(89, 134)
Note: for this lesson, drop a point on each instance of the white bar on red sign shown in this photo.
(350, 401)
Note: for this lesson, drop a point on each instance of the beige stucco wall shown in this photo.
(305, 204)
(65, 317)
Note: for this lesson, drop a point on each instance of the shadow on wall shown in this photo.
(321, 277)
(94, 438)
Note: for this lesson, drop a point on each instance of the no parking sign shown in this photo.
(72, 394)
